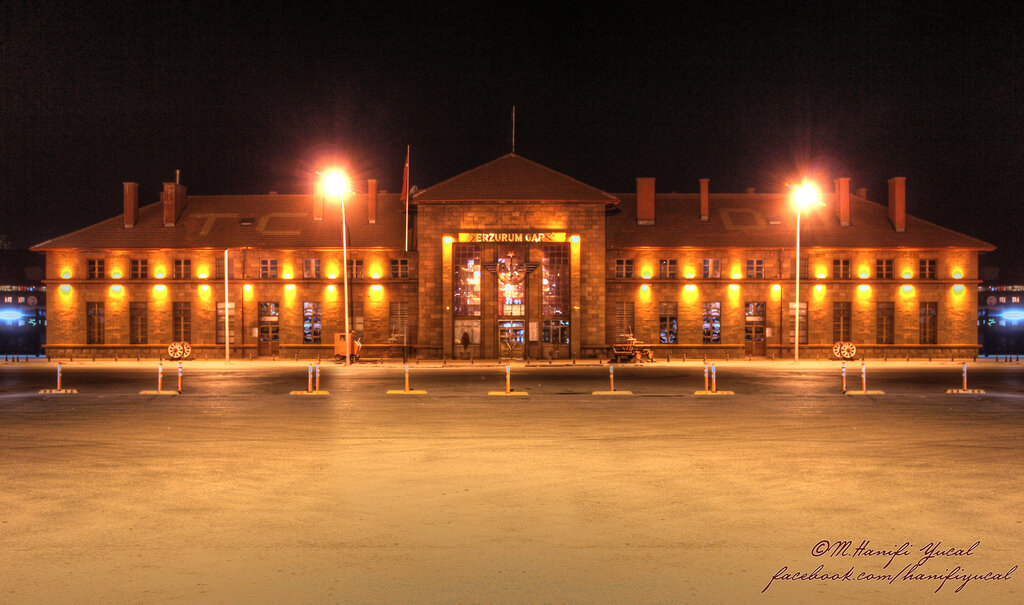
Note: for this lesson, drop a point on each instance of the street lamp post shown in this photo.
(336, 184)
(805, 194)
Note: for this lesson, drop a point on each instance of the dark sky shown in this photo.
(256, 97)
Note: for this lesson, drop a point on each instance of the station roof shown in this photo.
(248, 221)
(768, 220)
(512, 178)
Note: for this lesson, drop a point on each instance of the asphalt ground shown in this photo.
(236, 491)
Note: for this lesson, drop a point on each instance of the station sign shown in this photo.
(517, 237)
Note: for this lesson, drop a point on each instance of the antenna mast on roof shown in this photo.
(513, 129)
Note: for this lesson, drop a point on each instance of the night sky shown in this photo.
(253, 98)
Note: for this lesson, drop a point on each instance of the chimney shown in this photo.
(704, 205)
(750, 190)
(371, 201)
(861, 192)
(843, 201)
(173, 198)
(898, 203)
(645, 201)
(318, 201)
(131, 205)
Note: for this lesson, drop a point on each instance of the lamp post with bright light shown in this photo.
(804, 195)
(336, 185)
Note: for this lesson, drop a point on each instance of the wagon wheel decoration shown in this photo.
(844, 350)
(179, 350)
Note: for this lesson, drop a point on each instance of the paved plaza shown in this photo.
(236, 491)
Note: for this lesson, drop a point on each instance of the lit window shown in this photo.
(311, 322)
(712, 268)
(311, 268)
(668, 324)
(712, 322)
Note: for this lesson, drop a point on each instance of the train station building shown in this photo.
(513, 260)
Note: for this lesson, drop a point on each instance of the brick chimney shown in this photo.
(861, 192)
(843, 201)
(645, 201)
(704, 203)
(131, 205)
(371, 201)
(318, 201)
(898, 203)
(173, 198)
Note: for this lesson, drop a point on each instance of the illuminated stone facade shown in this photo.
(512, 259)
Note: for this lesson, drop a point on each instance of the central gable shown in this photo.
(512, 178)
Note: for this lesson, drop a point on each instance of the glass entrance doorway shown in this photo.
(753, 338)
(511, 338)
(269, 338)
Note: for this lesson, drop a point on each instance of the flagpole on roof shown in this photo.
(405, 194)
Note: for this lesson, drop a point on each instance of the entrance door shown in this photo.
(753, 337)
(268, 329)
(511, 338)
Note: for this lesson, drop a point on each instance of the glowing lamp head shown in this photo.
(65, 275)
(819, 288)
(159, 275)
(376, 287)
(645, 287)
(863, 274)
(805, 195)
(332, 276)
(574, 239)
(65, 288)
(688, 276)
(959, 288)
(647, 275)
(689, 287)
(734, 286)
(330, 287)
(776, 287)
(907, 275)
(289, 286)
(335, 183)
(863, 288)
(159, 288)
(205, 287)
(737, 276)
(116, 275)
(907, 288)
(958, 274)
(117, 288)
(447, 240)
(820, 276)
(247, 287)
(202, 275)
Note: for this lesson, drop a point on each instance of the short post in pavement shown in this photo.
(179, 376)
(159, 376)
(965, 376)
(714, 385)
(844, 376)
(309, 381)
(611, 378)
(318, 375)
(705, 376)
(863, 376)
(406, 378)
(508, 379)
(58, 376)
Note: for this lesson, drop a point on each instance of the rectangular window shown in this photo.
(805, 268)
(803, 322)
(555, 280)
(556, 331)
(357, 316)
(311, 323)
(182, 318)
(95, 269)
(220, 322)
(712, 322)
(399, 320)
(399, 268)
(466, 280)
(623, 321)
(138, 322)
(355, 268)
(929, 323)
(94, 329)
(268, 268)
(884, 268)
(842, 315)
(667, 268)
(311, 268)
(840, 268)
(218, 269)
(668, 325)
(139, 269)
(624, 268)
(182, 268)
(885, 321)
(926, 268)
(755, 268)
(712, 268)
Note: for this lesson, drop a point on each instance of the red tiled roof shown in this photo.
(743, 220)
(278, 221)
(512, 178)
